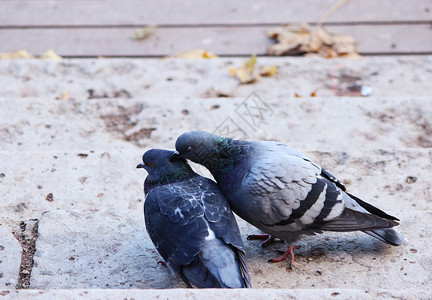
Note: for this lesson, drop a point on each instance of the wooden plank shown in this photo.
(220, 40)
(190, 12)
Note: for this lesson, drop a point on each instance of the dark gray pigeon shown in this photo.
(280, 191)
(191, 225)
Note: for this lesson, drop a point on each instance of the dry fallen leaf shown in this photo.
(16, 55)
(143, 33)
(268, 71)
(196, 53)
(295, 39)
(50, 54)
(314, 93)
(246, 73)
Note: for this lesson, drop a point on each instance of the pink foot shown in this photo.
(289, 251)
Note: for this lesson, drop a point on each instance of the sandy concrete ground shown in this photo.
(187, 79)
(107, 249)
(255, 294)
(75, 157)
(81, 153)
(10, 258)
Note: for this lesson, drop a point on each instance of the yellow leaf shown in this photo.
(207, 54)
(246, 73)
(268, 71)
(232, 71)
(249, 65)
(196, 53)
(16, 55)
(297, 95)
(314, 93)
(50, 54)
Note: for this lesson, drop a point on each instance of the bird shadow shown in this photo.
(329, 245)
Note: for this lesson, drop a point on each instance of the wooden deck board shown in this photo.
(239, 40)
(210, 12)
(226, 27)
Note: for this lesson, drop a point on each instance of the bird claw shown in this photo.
(289, 267)
(288, 251)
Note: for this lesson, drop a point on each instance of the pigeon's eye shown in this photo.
(190, 148)
(151, 164)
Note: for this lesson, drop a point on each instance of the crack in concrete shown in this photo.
(26, 236)
(369, 268)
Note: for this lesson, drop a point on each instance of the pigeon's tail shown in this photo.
(352, 220)
(223, 262)
(389, 236)
(244, 269)
(217, 266)
(199, 275)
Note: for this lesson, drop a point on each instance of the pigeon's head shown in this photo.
(196, 146)
(160, 169)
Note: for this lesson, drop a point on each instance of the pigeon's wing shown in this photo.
(359, 211)
(291, 193)
(175, 224)
(370, 208)
(290, 151)
(222, 222)
(333, 179)
(219, 214)
(286, 189)
(366, 207)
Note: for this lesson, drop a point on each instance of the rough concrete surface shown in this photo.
(96, 249)
(343, 124)
(35, 182)
(101, 249)
(89, 163)
(215, 294)
(72, 132)
(193, 78)
(10, 257)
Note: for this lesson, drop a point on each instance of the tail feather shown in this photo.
(199, 275)
(243, 268)
(372, 209)
(388, 236)
(352, 220)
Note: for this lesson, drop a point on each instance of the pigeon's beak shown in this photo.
(140, 166)
(174, 156)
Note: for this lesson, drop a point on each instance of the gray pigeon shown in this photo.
(280, 191)
(191, 225)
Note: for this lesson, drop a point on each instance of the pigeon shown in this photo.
(282, 192)
(191, 224)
